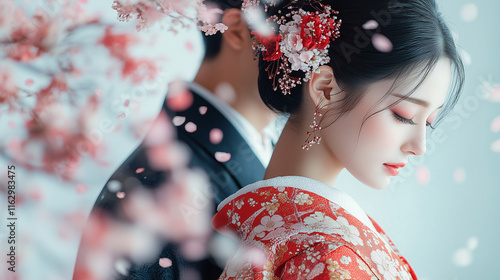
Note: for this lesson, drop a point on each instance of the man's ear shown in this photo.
(237, 32)
(323, 85)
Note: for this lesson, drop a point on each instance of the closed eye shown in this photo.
(403, 120)
(408, 121)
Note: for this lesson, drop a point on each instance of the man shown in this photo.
(228, 63)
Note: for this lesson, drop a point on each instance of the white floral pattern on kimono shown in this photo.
(303, 235)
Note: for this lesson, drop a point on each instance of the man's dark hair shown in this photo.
(213, 42)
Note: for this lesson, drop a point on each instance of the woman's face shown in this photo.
(374, 151)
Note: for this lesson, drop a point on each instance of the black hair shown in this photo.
(419, 36)
(213, 42)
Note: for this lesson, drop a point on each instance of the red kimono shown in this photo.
(299, 228)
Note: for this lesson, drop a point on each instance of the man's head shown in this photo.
(213, 43)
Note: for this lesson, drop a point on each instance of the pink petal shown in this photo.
(190, 46)
(459, 175)
(495, 125)
(120, 195)
(423, 175)
(191, 127)
(126, 103)
(371, 24)
(216, 136)
(29, 82)
(165, 262)
(160, 132)
(495, 94)
(81, 188)
(121, 116)
(222, 157)
(12, 124)
(381, 43)
(98, 92)
(139, 170)
(203, 110)
(179, 98)
(226, 92)
(178, 120)
(495, 146)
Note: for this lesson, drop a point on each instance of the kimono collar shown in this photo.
(334, 195)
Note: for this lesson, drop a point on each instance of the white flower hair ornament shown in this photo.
(301, 44)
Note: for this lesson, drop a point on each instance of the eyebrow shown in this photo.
(414, 100)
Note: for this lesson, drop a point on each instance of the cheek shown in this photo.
(379, 141)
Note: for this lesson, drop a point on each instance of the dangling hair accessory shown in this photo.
(311, 137)
(301, 43)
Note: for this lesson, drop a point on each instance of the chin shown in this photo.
(376, 182)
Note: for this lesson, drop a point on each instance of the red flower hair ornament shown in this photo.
(300, 45)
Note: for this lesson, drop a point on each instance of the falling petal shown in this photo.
(381, 43)
(370, 25)
(469, 12)
(120, 195)
(495, 125)
(194, 249)
(225, 92)
(139, 170)
(222, 157)
(203, 110)
(160, 132)
(178, 120)
(472, 243)
(462, 257)
(165, 262)
(114, 186)
(459, 175)
(495, 146)
(126, 103)
(179, 98)
(495, 94)
(122, 266)
(216, 136)
(423, 175)
(121, 116)
(191, 127)
(29, 82)
(81, 188)
(190, 46)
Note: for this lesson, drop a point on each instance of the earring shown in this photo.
(315, 127)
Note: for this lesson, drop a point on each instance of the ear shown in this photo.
(323, 85)
(237, 32)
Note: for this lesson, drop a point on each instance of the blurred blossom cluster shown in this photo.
(178, 211)
(47, 78)
(149, 12)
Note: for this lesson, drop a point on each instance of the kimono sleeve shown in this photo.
(318, 263)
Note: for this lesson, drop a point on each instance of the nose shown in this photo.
(416, 143)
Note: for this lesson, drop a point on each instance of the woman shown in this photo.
(371, 77)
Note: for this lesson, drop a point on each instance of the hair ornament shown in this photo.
(300, 44)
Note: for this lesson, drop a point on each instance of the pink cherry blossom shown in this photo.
(216, 136)
(382, 43)
(222, 157)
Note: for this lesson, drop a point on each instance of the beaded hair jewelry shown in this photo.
(301, 43)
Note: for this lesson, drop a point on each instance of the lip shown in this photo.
(393, 168)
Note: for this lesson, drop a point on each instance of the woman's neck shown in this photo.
(289, 159)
